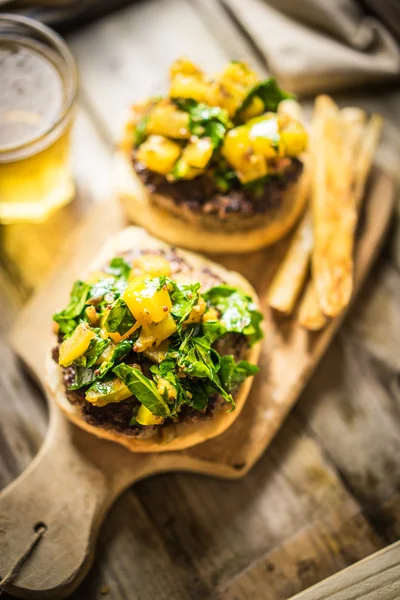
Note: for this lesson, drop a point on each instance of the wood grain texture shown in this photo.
(65, 461)
(143, 536)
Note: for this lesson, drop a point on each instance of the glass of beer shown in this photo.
(37, 96)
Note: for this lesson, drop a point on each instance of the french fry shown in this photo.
(310, 315)
(333, 209)
(289, 279)
(368, 145)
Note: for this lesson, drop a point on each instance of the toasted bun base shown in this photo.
(181, 435)
(149, 211)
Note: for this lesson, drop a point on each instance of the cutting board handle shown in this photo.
(59, 501)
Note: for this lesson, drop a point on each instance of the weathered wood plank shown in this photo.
(375, 578)
(308, 557)
(352, 404)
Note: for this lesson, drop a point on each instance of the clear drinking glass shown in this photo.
(38, 86)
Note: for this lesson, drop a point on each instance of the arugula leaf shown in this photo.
(121, 350)
(119, 267)
(270, 94)
(119, 319)
(144, 389)
(96, 348)
(85, 375)
(232, 374)
(194, 393)
(238, 311)
(198, 359)
(213, 330)
(183, 298)
(139, 135)
(206, 121)
(108, 285)
(67, 317)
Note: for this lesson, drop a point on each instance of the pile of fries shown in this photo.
(315, 279)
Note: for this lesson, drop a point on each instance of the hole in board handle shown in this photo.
(40, 528)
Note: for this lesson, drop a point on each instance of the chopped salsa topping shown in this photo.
(227, 126)
(132, 330)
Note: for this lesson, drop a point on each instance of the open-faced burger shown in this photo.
(217, 165)
(157, 347)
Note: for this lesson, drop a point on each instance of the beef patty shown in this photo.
(202, 197)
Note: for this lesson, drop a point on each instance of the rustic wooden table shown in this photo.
(326, 493)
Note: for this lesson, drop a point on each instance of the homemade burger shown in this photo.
(217, 165)
(157, 347)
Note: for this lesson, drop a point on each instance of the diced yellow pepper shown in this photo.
(165, 387)
(230, 88)
(108, 392)
(255, 108)
(76, 345)
(264, 135)
(184, 66)
(158, 154)
(116, 337)
(152, 264)
(152, 335)
(145, 417)
(240, 73)
(157, 354)
(107, 352)
(225, 95)
(92, 315)
(165, 119)
(294, 138)
(189, 86)
(146, 302)
(239, 152)
(198, 152)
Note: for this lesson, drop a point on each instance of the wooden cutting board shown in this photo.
(76, 477)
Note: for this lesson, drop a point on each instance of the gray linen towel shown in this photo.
(319, 45)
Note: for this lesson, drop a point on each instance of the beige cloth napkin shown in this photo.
(319, 45)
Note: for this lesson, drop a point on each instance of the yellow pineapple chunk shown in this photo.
(152, 335)
(147, 303)
(76, 345)
(165, 119)
(188, 81)
(239, 152)
(158, 154)
(146, 417)
(108, 392)
(116, 337)
(294, 138)
(198, 152)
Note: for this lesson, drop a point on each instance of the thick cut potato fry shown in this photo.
(289, 279)
(333, 209)
(310, 315)
(368, 145)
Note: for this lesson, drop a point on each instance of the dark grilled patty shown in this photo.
(201, 195)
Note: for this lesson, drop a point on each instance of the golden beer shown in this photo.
(37, 94)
